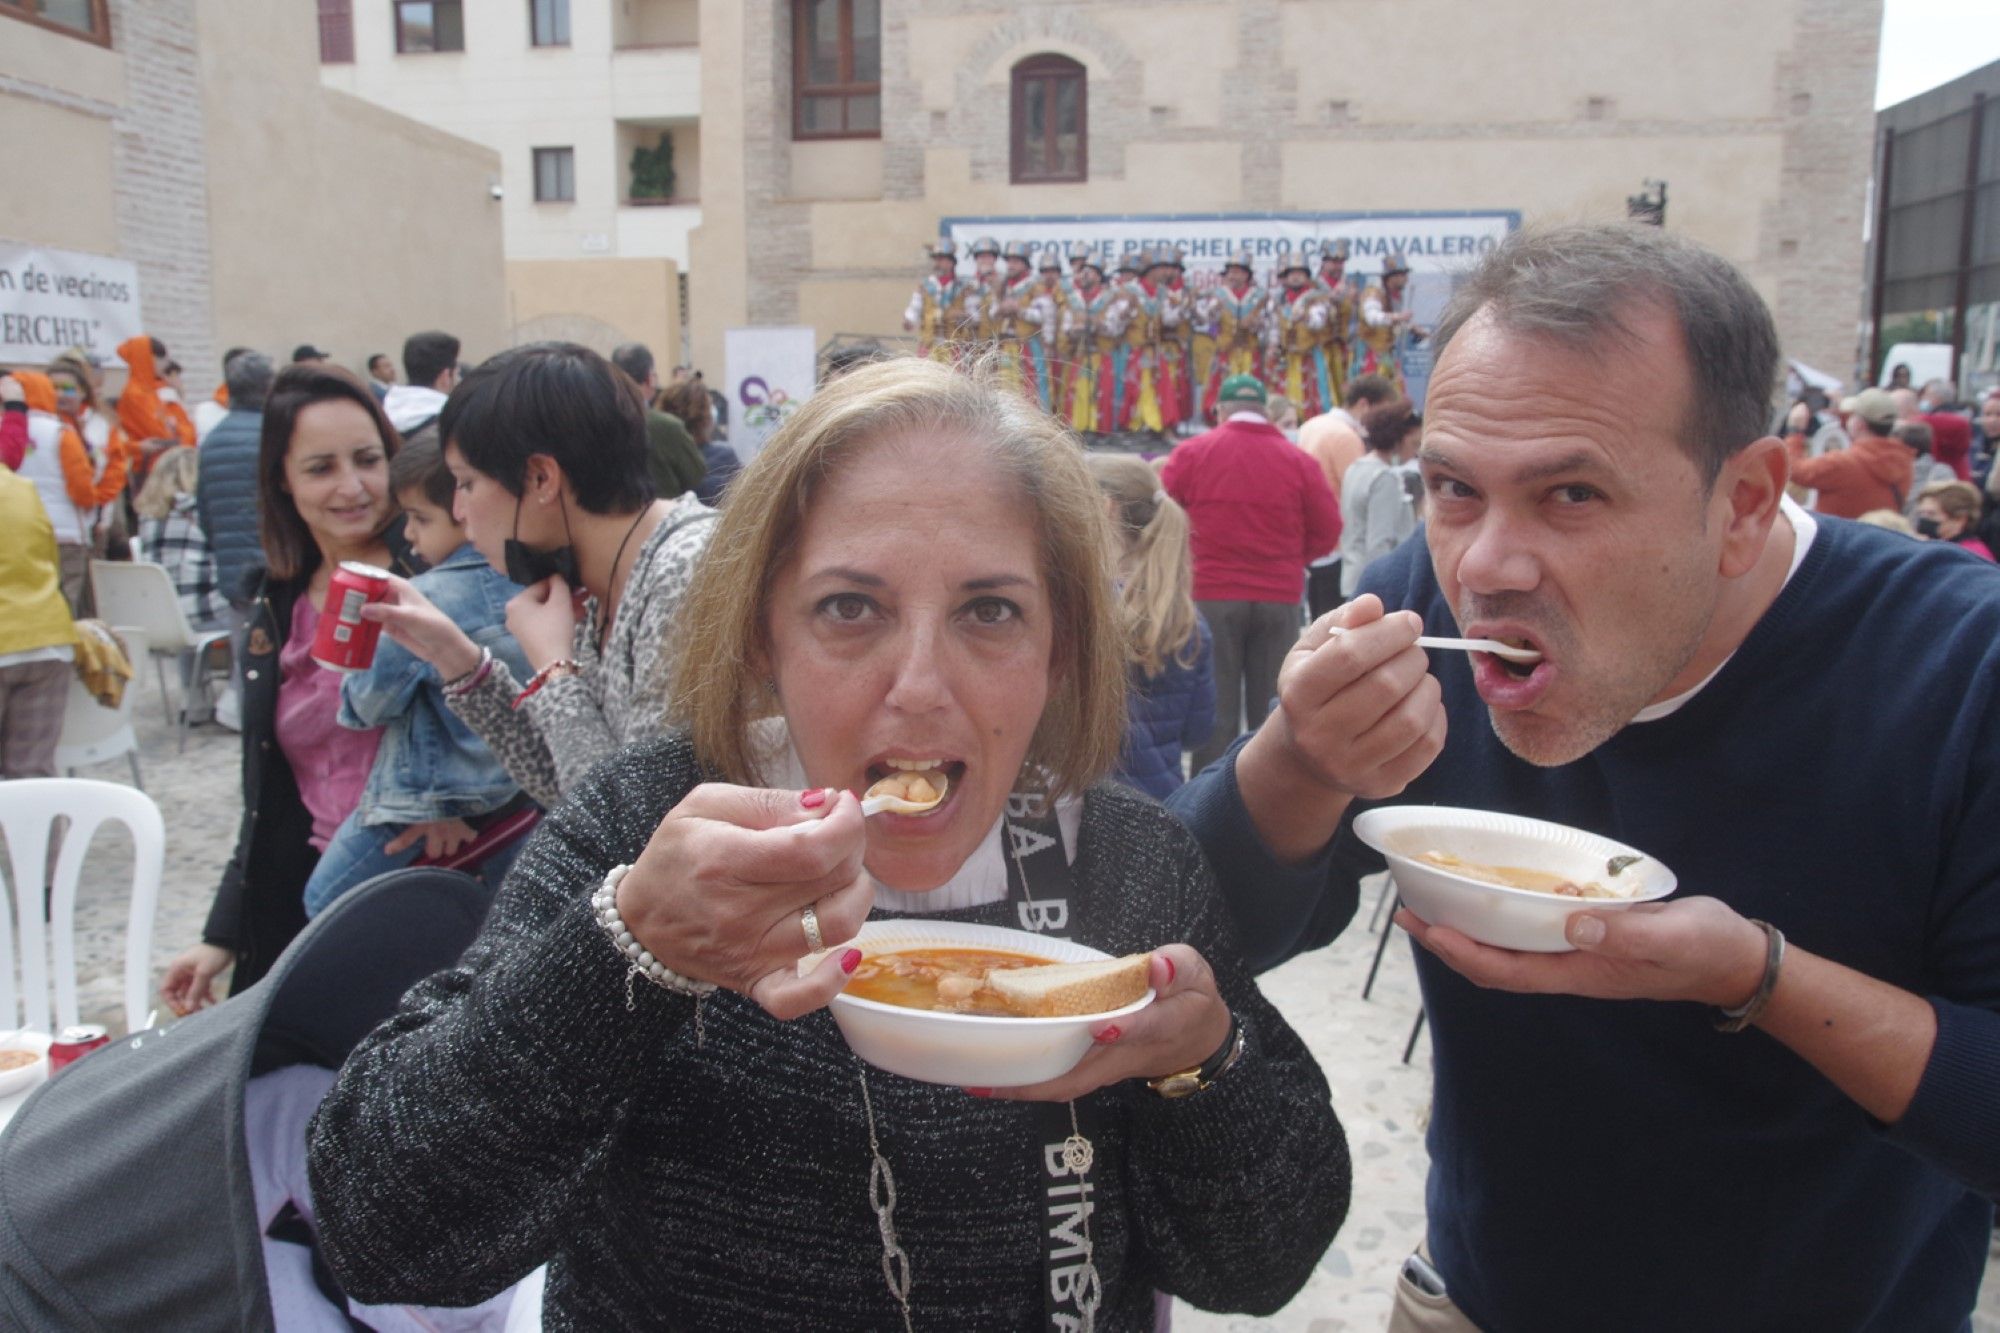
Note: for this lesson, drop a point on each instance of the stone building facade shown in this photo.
(1759, 117)
(259, 209)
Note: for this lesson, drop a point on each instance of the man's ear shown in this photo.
(1746, 499)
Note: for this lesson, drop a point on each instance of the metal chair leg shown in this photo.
(166, 700)
(1380, 945)
(132, 757)
(1416, 1029)
(1381, 902)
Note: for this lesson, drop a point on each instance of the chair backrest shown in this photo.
(92, 733)
(135, 593)
(47, 949)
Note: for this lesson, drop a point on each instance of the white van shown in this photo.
(1927, 362)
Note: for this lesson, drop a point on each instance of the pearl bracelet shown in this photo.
(604, 902)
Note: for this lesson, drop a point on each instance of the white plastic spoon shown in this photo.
(1493, 646)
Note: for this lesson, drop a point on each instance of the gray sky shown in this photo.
(1928, 42)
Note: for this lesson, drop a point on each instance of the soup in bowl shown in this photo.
(971, 1005)
(1507, 880)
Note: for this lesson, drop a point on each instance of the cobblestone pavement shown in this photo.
(1382, 1102)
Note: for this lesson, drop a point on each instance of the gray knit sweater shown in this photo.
(514, 1112)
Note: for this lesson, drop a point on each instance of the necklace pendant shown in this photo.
(1077, 1154)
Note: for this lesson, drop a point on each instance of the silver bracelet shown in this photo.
(604, 902)
(460, 686)
(1735, 1020)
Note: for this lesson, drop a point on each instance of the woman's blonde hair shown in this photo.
(722, 626)
(174, 474)
(1958, 499)
(1151, 535)
(1888, 518)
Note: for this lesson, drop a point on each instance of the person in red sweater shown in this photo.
(1260, 511)
(1871, 473)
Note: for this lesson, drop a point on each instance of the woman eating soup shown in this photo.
(547, 444)
(323, 498)
(628, 1077)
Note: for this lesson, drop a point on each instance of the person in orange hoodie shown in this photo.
(60, 468)
(149, 427)
(1872, 473)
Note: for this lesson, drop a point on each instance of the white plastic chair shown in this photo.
(46, 950)
(92, 733)
(136, 593)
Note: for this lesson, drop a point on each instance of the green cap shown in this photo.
(1242, 389)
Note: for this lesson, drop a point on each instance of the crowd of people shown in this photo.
(1135, 346)
(647, 715)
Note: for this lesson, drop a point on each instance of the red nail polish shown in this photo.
(814, 799)
(1112, 1033)
(980, 1092)
(1170, 968)
(850, 960)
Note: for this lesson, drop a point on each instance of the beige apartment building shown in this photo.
(192, 140)
(593, 107)
(838, 135)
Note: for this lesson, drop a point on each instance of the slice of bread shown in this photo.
(1066, 990)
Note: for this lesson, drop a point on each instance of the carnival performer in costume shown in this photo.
(1177, 335)
(1386, 323)
(1007, 315)
(1234, 313)
(1092, 410)
(1136, 314)
(1042, 354)
(982, 289)
(934, 309)
(1299, 317)
(1336, 337)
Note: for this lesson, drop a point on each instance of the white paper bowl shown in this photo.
(967, 1050)
(27, 1076)
(1491, 913)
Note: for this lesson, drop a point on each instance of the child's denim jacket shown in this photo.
(430, 765)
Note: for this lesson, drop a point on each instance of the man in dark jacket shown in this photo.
(671, 457)
(226, 499)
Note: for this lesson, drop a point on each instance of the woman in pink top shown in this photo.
(323, 498)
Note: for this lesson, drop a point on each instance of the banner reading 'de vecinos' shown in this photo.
(52, 300)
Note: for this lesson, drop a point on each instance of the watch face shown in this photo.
(1175, 1086)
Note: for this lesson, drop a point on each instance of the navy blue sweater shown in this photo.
(1166, 714)
(1602, 1164)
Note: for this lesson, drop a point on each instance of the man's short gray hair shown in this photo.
(1578, 285)
(248, 375)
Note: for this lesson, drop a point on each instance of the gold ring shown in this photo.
(810, 920)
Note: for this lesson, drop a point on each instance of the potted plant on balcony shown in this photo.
(653, 172)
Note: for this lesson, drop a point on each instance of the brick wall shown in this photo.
(161, 181)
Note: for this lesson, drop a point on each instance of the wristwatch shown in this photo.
(1188, 1082)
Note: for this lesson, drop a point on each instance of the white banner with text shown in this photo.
(53, 300)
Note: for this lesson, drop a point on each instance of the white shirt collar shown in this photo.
(1804, 528)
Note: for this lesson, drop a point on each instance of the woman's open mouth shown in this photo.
(925, 782)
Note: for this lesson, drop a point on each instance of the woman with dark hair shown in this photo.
(689, 400)
(323, 498)
(548, 446)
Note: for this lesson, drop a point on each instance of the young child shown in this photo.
(431, 774)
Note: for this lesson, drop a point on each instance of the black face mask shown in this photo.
(528, 567)
(1928, 527)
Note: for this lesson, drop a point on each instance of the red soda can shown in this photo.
(346, 642)
(73, 1043)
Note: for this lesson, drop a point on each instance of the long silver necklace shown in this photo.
(1077, 1155)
